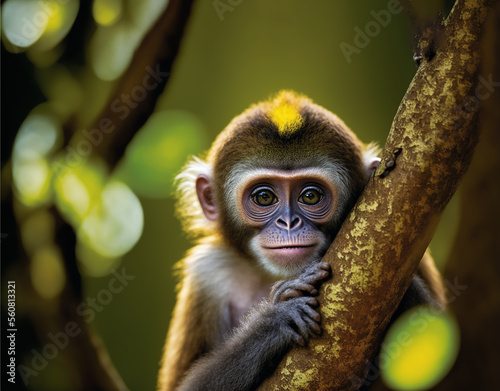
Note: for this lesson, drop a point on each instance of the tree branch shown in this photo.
(378, 249)
(135, 96)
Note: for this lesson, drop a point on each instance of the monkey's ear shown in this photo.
(206, 197)
(372, 165)
(370, 158)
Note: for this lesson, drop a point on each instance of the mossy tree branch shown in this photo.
(378, 249)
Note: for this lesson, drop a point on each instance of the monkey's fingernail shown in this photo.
(313, 292)
(289, 294)
(301, 341)
(316, 329)
(312, 301)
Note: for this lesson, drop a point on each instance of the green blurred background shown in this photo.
(258, 48)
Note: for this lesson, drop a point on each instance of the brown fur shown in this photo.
(428, 271)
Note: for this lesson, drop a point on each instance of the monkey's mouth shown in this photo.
(291, 247)
(291, 254)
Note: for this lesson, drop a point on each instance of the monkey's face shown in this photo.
(290, 215)
(279, 181)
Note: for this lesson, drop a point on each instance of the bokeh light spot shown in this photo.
(37, 22)
(78, 190)
(38, 230)
(32, 181)
(112, 48)
(159, 150)
(419, 349)
(107, 12)
(74, 191)
(37, 137)
(23, 22)
(113, 227)
(47, 272)
(56, 17)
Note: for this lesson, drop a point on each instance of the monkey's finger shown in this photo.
(306, 287)
(289, 294)
(312, 319)
(315, 327)
(311, 313)
(310, 301)
(276, 286)
(298, 339)
(315, 275)
(277, 291)
(302, 325)
(302, 286)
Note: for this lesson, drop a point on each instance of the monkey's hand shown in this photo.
(305, 283)
(266, 333)
(295, 307)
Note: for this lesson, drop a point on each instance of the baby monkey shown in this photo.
(266, 204)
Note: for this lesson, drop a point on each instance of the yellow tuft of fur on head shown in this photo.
(284, 112)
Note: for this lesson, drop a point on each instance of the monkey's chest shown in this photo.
(242, 299)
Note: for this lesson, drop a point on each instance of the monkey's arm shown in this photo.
(426, 287)
(187, 337)
(432, 279)
(256, 347)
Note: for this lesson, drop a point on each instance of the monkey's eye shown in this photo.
(264, 198)
(311, 197)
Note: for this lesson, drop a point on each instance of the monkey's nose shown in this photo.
(287, 223)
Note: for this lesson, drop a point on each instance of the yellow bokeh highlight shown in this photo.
(36, 139)
(47, 272)
(38, 230)
(74, 191)
(419, 349)
(107, 12)
(32, 181)
(78, 190)
(55, 17)
(114, 225)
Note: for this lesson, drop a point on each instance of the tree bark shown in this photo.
(378, 248)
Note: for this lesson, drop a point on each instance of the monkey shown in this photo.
(265, 204)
